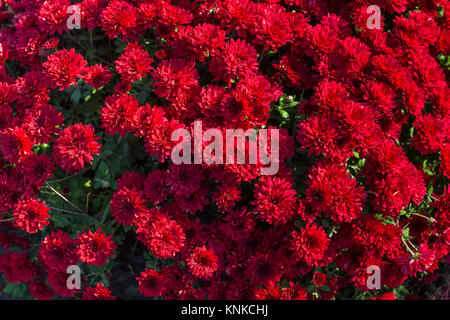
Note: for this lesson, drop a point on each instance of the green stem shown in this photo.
(407, 247)
(66, 211)
(115, 229)
(91, 42)
(431, 219)
(65, 199)
(412, 245)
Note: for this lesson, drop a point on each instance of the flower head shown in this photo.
(15, 144)
(31, 215)
(99, 292)
(151, 283)
(97, 76)
(75, 147)
(63, 67)
(134, 63)
(57, 251)
(310, 244)
(95, 248)
(203, 262)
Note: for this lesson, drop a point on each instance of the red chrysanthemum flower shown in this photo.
(444, 41)
(131, 179)
(95, 248)
(237, 59)
(148, 13)
(57, 252)
(42, 122)
(174, 77)
(31, 215)
(310, 244)
(97, 76)
(324, 135)
(203, 262)
(396, 180)
(273, 28)
(321, 39)
(385, 296)
(7, 94)
(226, 197)
(445, 160)
(184, 179)
(294, 292)
(58, 281)
(262, 268)
(275, 199)
(202, 41)
(239, 15)
(75, 146)
(15, 144)
(158, 141)
(127, 204)
(423, 260)
(40, 291)
(134, 63)
(8, 119)
(63, 67)
(53, 15)
(119, 18)
(333, 191)
(36, 169)
(17, 267)
(295, 70)
(118, 112)
(384, 239)
(417, 30)
(270, 292)
(155, 187)
(146, 119)
(32, 90)
(166, 237)
(99, 292)
(431, 134)
(319, 279)
(151, 283)
(174, 16)
(255, 93)
(91, 11)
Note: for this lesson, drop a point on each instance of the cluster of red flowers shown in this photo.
(224, 231)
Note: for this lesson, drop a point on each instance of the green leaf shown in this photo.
(284, 114)
(18, 290)
(102, 170)
(61, 221)
(76, 95)
(325, 289)
(76, 189)
(105, 213)
(405, 233)
(90, 53)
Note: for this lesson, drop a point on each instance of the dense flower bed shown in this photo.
(86, 176)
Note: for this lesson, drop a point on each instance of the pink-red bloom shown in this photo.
(64, 67)
(99, 292)
(202, 262)
(95, 248)
(310, 244)
(31, 215)
(75, 147)
(134, 63)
